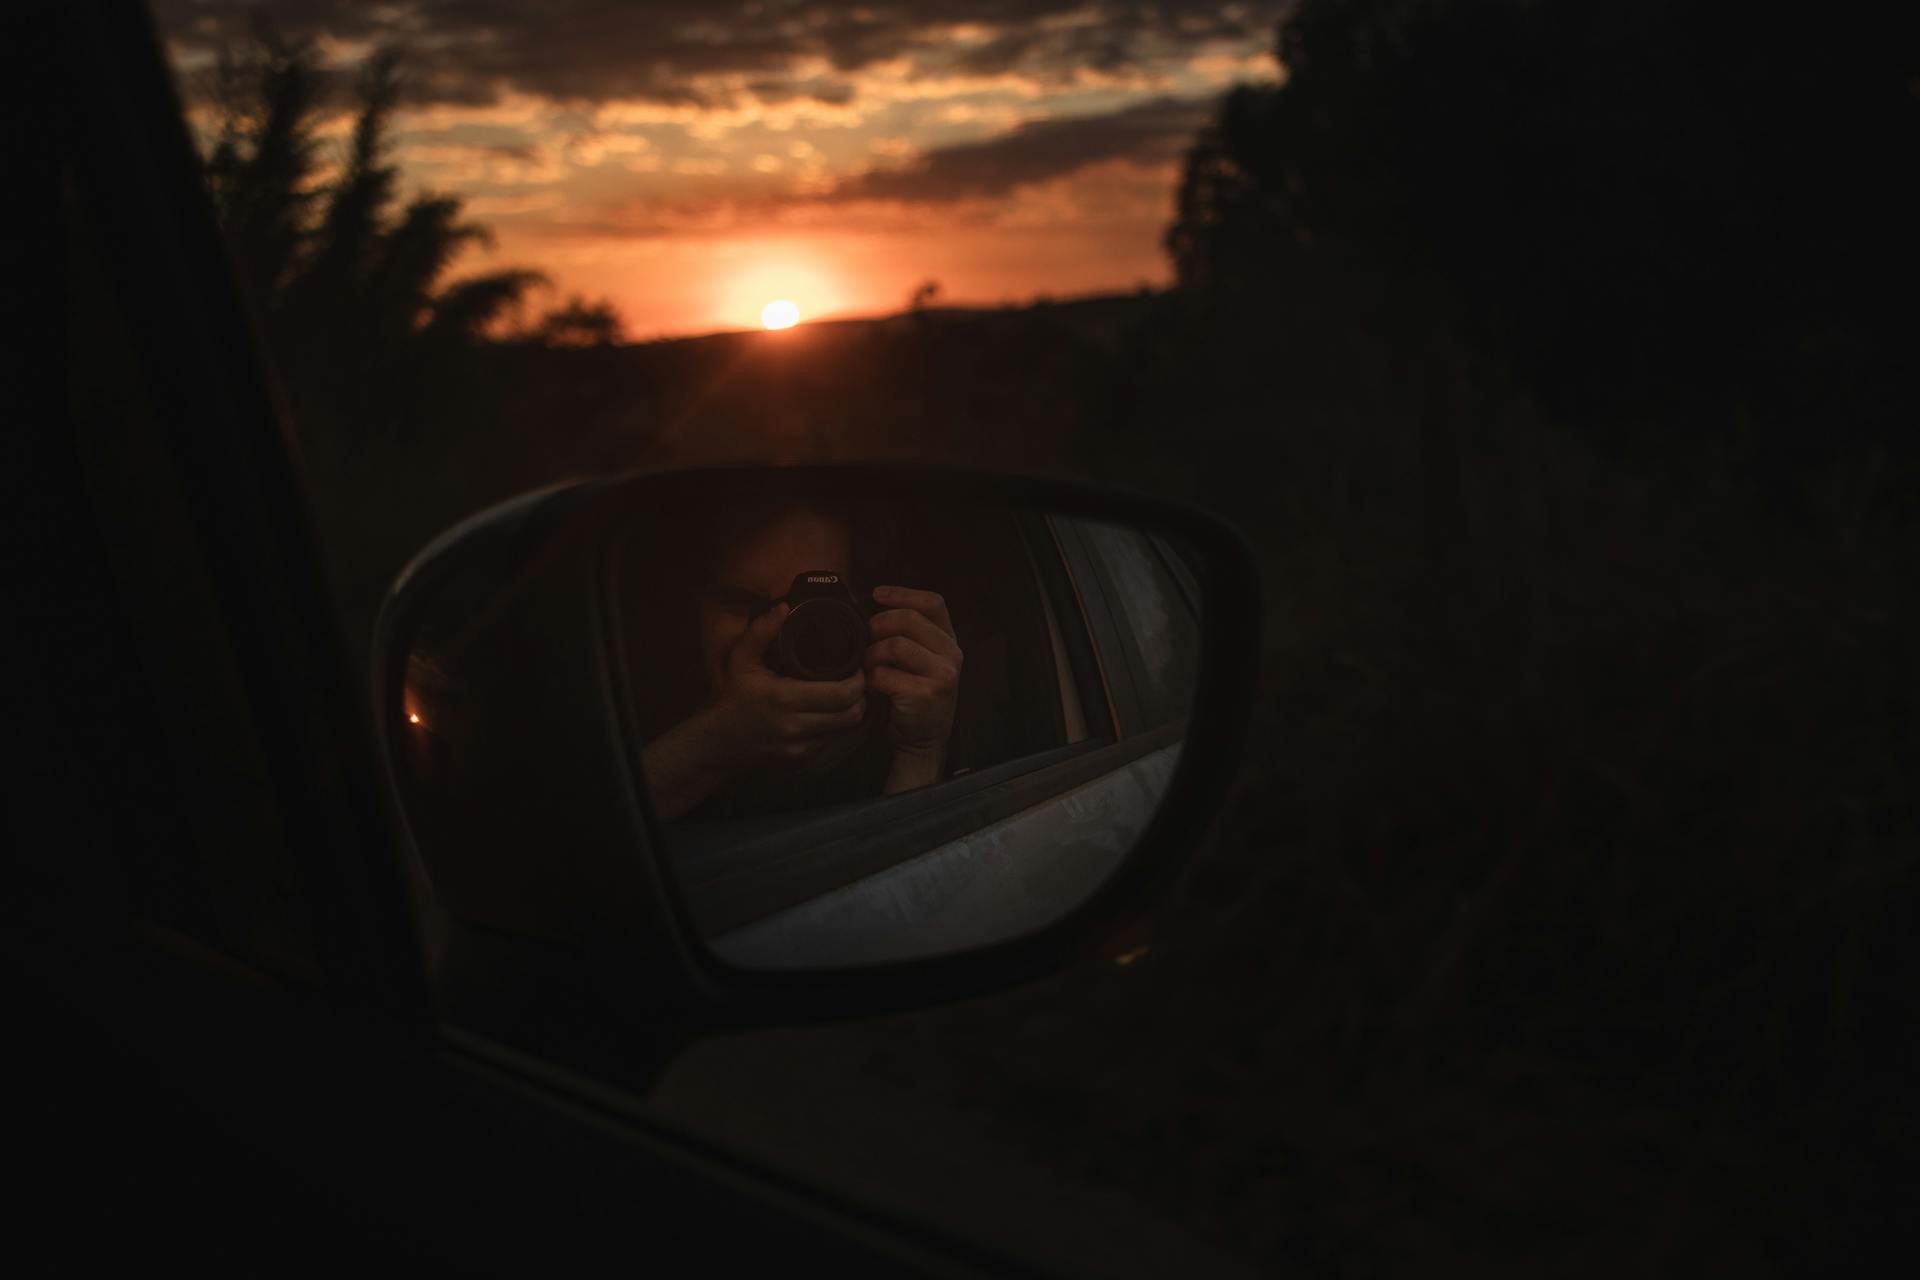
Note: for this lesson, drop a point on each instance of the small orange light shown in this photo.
(413, 717)
(1126, 958)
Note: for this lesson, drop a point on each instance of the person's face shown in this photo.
(761, 569)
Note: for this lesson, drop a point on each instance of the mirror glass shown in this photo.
(883, 729)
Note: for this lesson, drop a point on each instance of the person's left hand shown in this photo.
(914, 660)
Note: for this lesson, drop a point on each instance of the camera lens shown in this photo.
(824, 640)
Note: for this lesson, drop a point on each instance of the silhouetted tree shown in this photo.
(262, 161)
(353, 297)
(337, 279)
(579, 323)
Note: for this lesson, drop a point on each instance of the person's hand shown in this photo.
(760, 716)
(914, 660)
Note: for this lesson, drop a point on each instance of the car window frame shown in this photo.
(223, 425)
(867, 838)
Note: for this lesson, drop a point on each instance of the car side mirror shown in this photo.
(752, 745)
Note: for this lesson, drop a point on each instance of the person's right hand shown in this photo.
(759, 716)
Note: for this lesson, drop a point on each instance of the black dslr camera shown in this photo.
(825, 636)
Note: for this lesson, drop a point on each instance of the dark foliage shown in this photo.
(1671, 222)
(579, 323)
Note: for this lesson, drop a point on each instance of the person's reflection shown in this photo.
(764, 741)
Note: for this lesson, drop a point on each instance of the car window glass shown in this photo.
(488, 254)
(1073, 712)
(1557, 360)
(1163, 631)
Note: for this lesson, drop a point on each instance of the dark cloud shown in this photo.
(1035, 152)
(472, 51)
(772, 92)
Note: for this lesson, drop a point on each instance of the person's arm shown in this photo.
(915, 660)
(757, 718)
(684, 766)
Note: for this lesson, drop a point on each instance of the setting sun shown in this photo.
(776, 287)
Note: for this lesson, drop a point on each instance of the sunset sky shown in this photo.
(692, 160)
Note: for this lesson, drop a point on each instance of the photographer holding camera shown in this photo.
(816, 695)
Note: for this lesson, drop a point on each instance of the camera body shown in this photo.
(825, 636)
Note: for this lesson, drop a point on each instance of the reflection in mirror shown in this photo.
(882, 730)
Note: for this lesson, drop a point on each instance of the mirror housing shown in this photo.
(563, 933)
